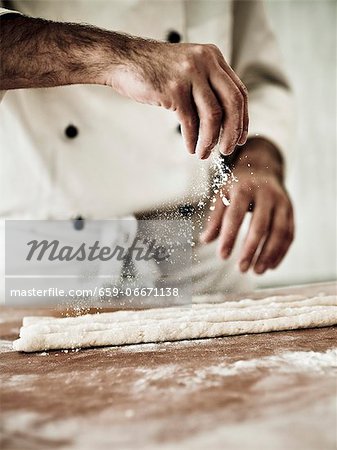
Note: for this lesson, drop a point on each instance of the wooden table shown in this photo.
(241, 392)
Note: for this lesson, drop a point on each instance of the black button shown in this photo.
(173, 37)
(79, 223)
(186, 210)
(71, 131)
(179, 129)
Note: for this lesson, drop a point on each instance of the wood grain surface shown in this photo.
(239, 392)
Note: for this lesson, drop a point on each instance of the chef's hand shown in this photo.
(195, 81)
(192, 79)
(259, 189)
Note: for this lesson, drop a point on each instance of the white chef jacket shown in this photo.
(128, 157)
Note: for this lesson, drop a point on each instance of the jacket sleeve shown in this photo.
(257, 61)
(4, 11)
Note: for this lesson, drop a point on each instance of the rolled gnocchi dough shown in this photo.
(199, 320)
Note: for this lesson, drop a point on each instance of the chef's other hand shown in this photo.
(192, 79)
(195, 81)
(259, 189)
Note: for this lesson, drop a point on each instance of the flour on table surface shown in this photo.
(286, 362)
(6, 346)
(184, 383)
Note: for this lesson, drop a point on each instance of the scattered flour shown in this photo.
(24, 382)
(288, 362)
(6, 346)
(285, 362)
(312, 422)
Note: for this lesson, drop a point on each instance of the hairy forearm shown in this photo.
(194, 80)
(39, 53)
